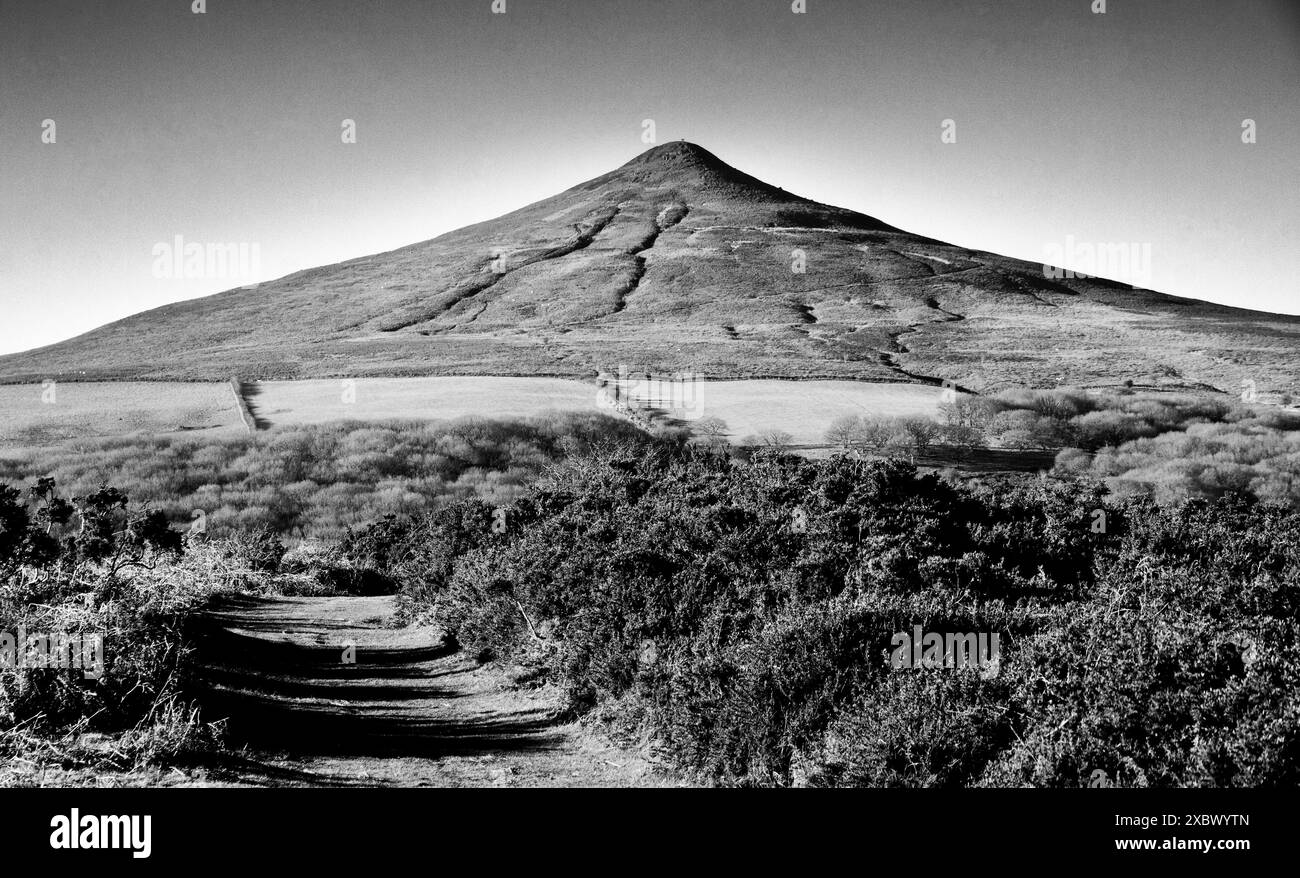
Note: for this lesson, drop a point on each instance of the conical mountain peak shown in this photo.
(675, 261)
(693, 170)
(677, 154)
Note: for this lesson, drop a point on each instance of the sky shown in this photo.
(227, 127)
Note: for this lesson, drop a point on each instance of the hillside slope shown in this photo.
(677, 261)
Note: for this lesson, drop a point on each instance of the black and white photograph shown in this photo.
(404, 399)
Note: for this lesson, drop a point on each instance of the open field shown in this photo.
(277, 403)
(35, 414)
(804, 409)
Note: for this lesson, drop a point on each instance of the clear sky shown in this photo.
(225, 127)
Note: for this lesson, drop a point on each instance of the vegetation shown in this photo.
(108, 579)
(739, 616)
(1172, 446)
(121, 594)
(1208, 460)
(735, 613)
(318, 481)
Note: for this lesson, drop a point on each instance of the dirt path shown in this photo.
(325, 692)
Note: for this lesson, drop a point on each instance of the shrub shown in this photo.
(259, 550)
(96, 569)
(319, 480)
(738, 615)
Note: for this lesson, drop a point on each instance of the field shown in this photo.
(278, 403)
(804, 409)
(35, 414)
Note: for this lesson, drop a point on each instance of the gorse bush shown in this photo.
(92, 569)
(420, 554)
(51, 547)
(740, 617)
(110, 599)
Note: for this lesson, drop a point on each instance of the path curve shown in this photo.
(327, 691)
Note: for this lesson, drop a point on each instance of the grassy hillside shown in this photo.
(677, 261)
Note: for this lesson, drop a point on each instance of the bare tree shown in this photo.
(711, 427)
(876, 433)
(778, 439)
(843, 431)
(922, 431)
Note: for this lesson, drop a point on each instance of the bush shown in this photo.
(98, 570)
(1022, 428)
(320, 480)
(111, 578)
(259, 550)
(739, 616)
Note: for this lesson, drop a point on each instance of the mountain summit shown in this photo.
(689, 167)
(677, 157)
(678, 261)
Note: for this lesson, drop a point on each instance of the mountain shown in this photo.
(678, 261)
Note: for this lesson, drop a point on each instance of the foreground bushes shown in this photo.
(738, 617)
(106, 582)
(120, 593)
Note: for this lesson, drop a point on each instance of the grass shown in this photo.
(142, 410)
(36, 414)
(295, 403)
(805, 409)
